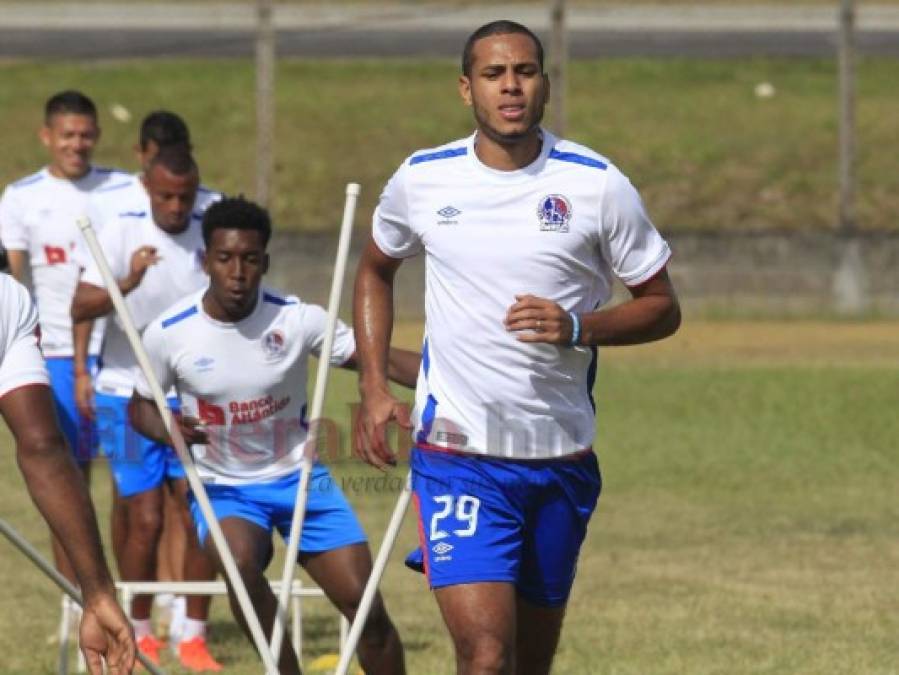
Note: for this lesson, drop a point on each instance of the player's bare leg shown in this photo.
(138, 561)
(537, 637)
(197, 565)
(481, 621)
(172, 541)
(251, 547)
(342, 573)
(60, 559)
(118, 522)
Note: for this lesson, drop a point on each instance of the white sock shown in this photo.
(142, 628)
(192, 628)
(176, 625)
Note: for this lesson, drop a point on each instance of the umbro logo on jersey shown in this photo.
(448, 214)
(204, 363)
(554, 213)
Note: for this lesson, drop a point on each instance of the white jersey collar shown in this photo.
(518, 175)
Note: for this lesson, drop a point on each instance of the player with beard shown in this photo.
(523, 234)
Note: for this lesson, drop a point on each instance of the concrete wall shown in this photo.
(732, 274)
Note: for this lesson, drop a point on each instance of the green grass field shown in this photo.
(705, 152)
(748, 524)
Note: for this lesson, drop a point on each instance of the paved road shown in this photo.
(142, 30)
(99, 44)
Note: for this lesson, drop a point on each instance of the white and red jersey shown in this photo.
(246, 381)
(21, 362)
(178, 274)
(561, 228)
(39, 214)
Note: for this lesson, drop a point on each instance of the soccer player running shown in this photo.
(238, 355)
(159, 129)
(155, 252)
(523, 233)
(54, 482)
(37, 227)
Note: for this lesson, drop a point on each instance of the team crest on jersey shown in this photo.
(554, 213)
(274, 345)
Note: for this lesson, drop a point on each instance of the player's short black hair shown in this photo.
(174, 158)
(71, 102)
(236, 213)
(500, 27)
(163, 128)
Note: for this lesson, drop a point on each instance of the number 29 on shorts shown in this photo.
(466, 512)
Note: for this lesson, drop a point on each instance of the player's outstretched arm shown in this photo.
(652, 313)
(373, 325)
(144, 416)
(58, 489)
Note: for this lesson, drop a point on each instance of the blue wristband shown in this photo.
(575, 329)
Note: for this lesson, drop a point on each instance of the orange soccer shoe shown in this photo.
(149, 646)
(195, 656)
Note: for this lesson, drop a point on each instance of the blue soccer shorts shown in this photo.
(79, 431)
(522, 522)
(137, 463)
(329, 522)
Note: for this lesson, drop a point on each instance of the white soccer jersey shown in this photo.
(21, 362)
(246, 381)
(126, 195)
(38, 214)
(560, 228)
(178, 274)
(113, 200)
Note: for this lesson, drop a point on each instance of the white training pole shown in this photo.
(32, 554)
(193, 478)
(318, 402)
(371, 586)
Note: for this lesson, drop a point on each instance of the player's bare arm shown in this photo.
(373, 325)
(84, 383)
(402, 366)
(58, 490)
(144, 416)
(91, 302)
(651, 314)
(18, 263)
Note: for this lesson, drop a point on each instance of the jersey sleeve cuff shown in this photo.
(13, 244)
(397, 253)
(649, 271)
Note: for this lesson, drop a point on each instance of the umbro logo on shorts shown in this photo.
(441, 551)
